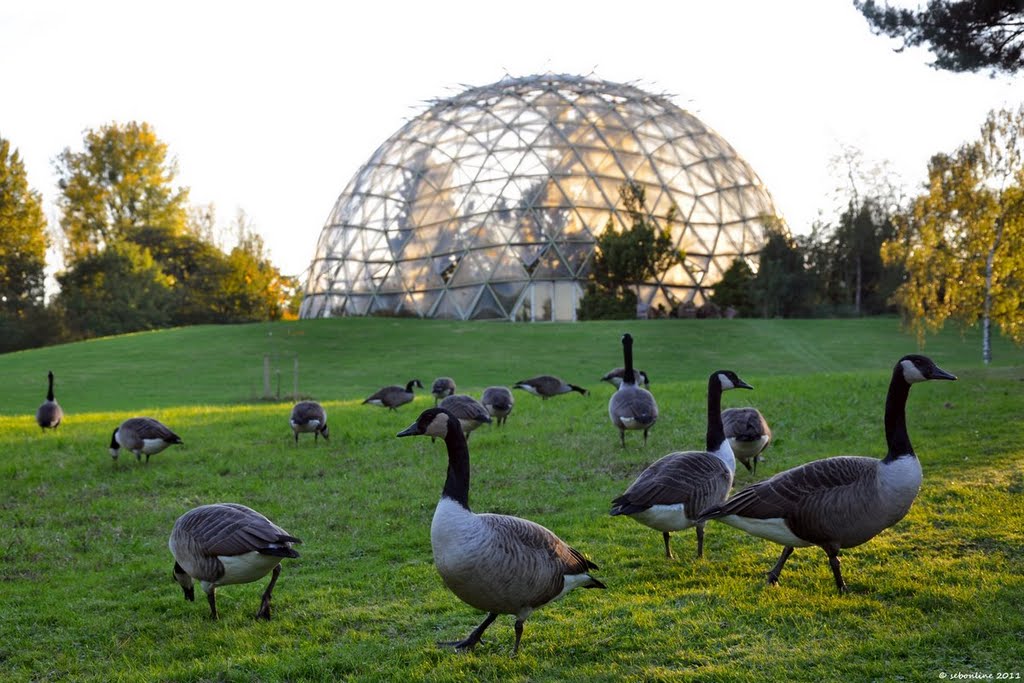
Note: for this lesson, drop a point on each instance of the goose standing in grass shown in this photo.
(227, 543)
(748, 433)
(838, 502)
(393, 396)
(142, 435)
(442, 387)
(496, 563)
(547, 386)
(670, 494)
(470, 412)
(615, 377)
(631, 406)
(49, 414)
(309, 416)
(499, 402)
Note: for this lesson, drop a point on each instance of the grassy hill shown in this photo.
(85, 574)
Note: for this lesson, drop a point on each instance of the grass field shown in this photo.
(85, 575)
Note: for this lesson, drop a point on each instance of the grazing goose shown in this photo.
(838, 502)
(49, 414)
(615, 377)
(442, 388)
(547, 386)
(309, 416)
(495, 563)
(393, 396)
(142, 435)
(748, 433)
(227, 543)
(670, 494)
(470, 412)
(499, 402)
(631, 407)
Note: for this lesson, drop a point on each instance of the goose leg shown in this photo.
(833, 562)
(475, 637)
(773, 575)
(700, 540)
(668, 548)
(264, 612)
(645, 436)
(519, 636)
(622, 437)
(211, 597)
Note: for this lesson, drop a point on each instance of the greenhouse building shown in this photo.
(487, 205)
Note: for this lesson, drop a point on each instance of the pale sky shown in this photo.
(271, 107)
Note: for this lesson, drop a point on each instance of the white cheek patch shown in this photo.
(438, 426)
(726, 382)
(911, 373)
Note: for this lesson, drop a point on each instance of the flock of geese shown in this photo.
(502, 564)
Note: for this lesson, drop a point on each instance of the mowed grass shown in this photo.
(85, 575)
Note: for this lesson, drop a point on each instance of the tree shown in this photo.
(24, 321)
(122, 181)
(783, 287)
(736, 289)
(625, 259)
(962, 242)
(964, 35)
(118, 290)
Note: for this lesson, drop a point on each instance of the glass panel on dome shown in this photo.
(487, 307)
(445, 308)
(551, 265)
(508, 293)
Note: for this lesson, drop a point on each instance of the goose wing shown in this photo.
(231, 529)
(694, 478)
(305, 411)
(150, 428)
(745, 424)
(384, 393)
(633, 402)
(499, 397)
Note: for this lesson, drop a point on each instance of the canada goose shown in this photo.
(142, 435)
(49, 414)
(495, 563)
(748, 433)
(631, 407)
(309, 416)
(470, 412)
(499, 402)
(615, 377)
(442, 388)
(547, 386)
(670, 494)
(227, 543)
(393, 396)
(837, 502)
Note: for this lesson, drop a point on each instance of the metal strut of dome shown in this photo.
(488, 203)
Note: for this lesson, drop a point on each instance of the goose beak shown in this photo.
(743, 385)
(411, 430)
(939, 373)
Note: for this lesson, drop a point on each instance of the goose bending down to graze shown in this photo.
(547, 386)
(748, 433)
(49, 414)
(670, 494)
(142, 435)
(227, 543)
(393, 396)
(499, 402)
(615, 377)
(495, 563)
(442, 387)
(470, 412)
(309, 416)
(631, 406)
(838, 502)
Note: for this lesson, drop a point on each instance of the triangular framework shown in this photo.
(472, 206)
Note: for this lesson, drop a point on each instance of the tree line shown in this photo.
(136, 255)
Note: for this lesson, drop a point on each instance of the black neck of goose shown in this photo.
(716, 432)
(628, 376)
(49, 391)
(456, 486)
(896, 417)
(408, 387)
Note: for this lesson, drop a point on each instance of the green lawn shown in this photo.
(85, 575)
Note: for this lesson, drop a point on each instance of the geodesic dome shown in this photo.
(487, 204)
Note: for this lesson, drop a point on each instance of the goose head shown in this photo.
(918, 368)
(115, 446)
(185, 581)
(434, 422)
(728, 379)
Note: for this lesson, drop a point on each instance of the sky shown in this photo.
(270, 108)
